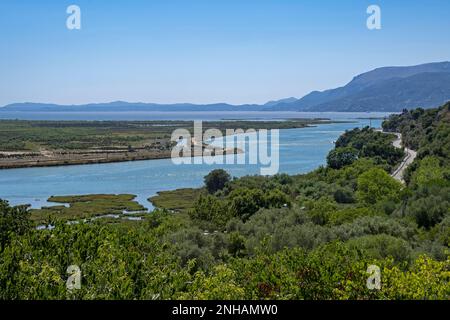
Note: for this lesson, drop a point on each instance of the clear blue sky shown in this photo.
(205, 51)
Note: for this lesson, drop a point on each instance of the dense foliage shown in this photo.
(309, 236)
(216, 180)
(360, 143)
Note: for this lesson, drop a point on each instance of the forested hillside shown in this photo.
(308, 236)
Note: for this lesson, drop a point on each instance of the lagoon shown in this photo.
(301, 150)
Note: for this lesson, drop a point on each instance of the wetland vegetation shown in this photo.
(309, 236)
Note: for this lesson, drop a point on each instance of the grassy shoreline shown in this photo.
(91, 206)
(178, 200)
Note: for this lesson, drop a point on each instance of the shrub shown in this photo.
(277, 199)
(428, 211)
(344, 195)
(382, 246)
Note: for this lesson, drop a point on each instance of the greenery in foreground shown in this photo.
(284, 237)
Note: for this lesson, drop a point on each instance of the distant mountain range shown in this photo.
(122, 106)
(383, 89)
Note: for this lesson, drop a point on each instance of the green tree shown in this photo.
(344, 195)
(13, 221)
(429, 172)
(426, 279)
(277, 199)
(216, 180)
(376, 185)
(220, 285)
(211, 209)
(236, 245)
(321, 210)
(245, 202)
(341, 157)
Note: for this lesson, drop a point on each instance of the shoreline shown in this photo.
(160, 156)
(74, 162)
(59, 163)
(155, 147)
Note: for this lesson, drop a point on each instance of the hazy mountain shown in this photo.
(430, 89)
(275, 102)
(121, 106)
(382, 89)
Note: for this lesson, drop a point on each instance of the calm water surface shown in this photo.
(301, 150)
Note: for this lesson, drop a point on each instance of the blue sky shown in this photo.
(206, 51)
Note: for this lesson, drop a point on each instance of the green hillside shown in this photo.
(310, 236)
